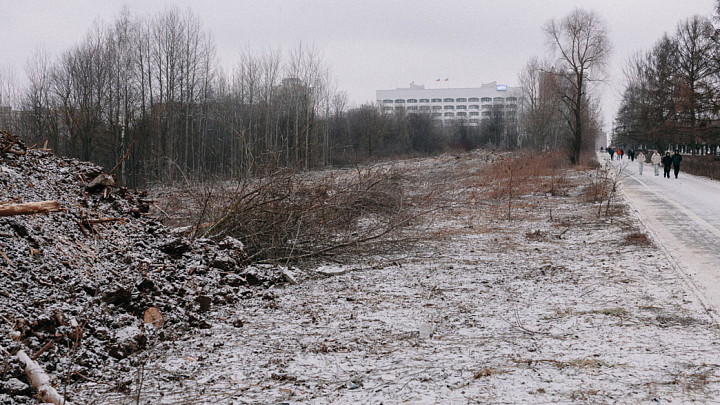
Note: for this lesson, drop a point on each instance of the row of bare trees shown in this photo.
(152, 86)
(672, 94)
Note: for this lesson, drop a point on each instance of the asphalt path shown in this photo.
(683, 215)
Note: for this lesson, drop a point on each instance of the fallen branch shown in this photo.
(40, 207)
(40, 381)
(127, 152)
(104, 220)
(48, 345)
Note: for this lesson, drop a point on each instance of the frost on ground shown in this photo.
(554, 304)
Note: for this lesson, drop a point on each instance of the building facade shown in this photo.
(468, 105)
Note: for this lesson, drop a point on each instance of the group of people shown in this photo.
(668, 162)
(620, 152)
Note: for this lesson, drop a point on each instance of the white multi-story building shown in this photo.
(451, 105)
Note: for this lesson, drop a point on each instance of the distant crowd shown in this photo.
(667, 162)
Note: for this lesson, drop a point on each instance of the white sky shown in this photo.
(368, 44)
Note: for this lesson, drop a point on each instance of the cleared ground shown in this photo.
(554, 304)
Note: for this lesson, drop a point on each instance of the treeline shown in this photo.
(154, 86)
(672, 96)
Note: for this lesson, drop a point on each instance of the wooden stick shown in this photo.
(7, 259)
(7, 148)
(127, 152)
(29, 208)
(48, 345)
(40, 381)
(105, 220)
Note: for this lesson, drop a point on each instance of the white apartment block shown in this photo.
(450, 105)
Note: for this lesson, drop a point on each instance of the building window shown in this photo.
(474, 113)
(412, 108)
(462, 114)
(437, 114)
(449, 114)
(474, 120)
(511, 99)
(398, 107)
(474, 107)
(424, 107)
(412, 100)
(486, 106)
(473, 99)
(461, 100)
(424, 100)
(436, 107)
(495, 100)
(448, 100)
(486, 113)
(486, 100)
(461, 107)
(387, 101)
(437, 100)
(449, 107)
(399, 101)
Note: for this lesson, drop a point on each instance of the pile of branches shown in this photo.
(85, 269)
(287, 217)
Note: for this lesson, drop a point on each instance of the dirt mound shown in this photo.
(76, 284)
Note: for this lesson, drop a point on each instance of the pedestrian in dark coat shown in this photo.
(676, 159)
(611, 152)
(631, 155)
(667, 161)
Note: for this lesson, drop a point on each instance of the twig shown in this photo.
(7, 259)
(127, 152)
(48, 345)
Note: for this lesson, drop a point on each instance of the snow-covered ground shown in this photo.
(554, 305)
(684, 216)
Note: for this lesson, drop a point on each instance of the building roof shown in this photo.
(415, 91)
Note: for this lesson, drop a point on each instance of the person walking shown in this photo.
(611, 152)
(641, 162)
(676, 159)
(656, 159)
(631, 155)
(667, 164)
(620, 153)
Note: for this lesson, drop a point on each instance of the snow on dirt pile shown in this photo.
(76, 284)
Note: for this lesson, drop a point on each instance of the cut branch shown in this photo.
(40, 381)
(40, 207)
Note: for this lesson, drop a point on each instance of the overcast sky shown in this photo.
(368, 44)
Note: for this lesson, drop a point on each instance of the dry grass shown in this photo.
(637, 239)
(512, 176)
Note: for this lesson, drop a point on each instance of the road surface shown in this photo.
(683, 215)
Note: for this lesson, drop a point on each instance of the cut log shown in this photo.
(40, 381)
(30, 208)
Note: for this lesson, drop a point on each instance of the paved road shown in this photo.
(684, 216)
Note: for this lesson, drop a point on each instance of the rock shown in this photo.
(13, 387)
(99, 183)
(289, 276)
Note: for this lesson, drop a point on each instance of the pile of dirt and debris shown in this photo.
(87, 276)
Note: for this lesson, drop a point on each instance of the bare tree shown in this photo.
(540, 117)
(582, 44)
